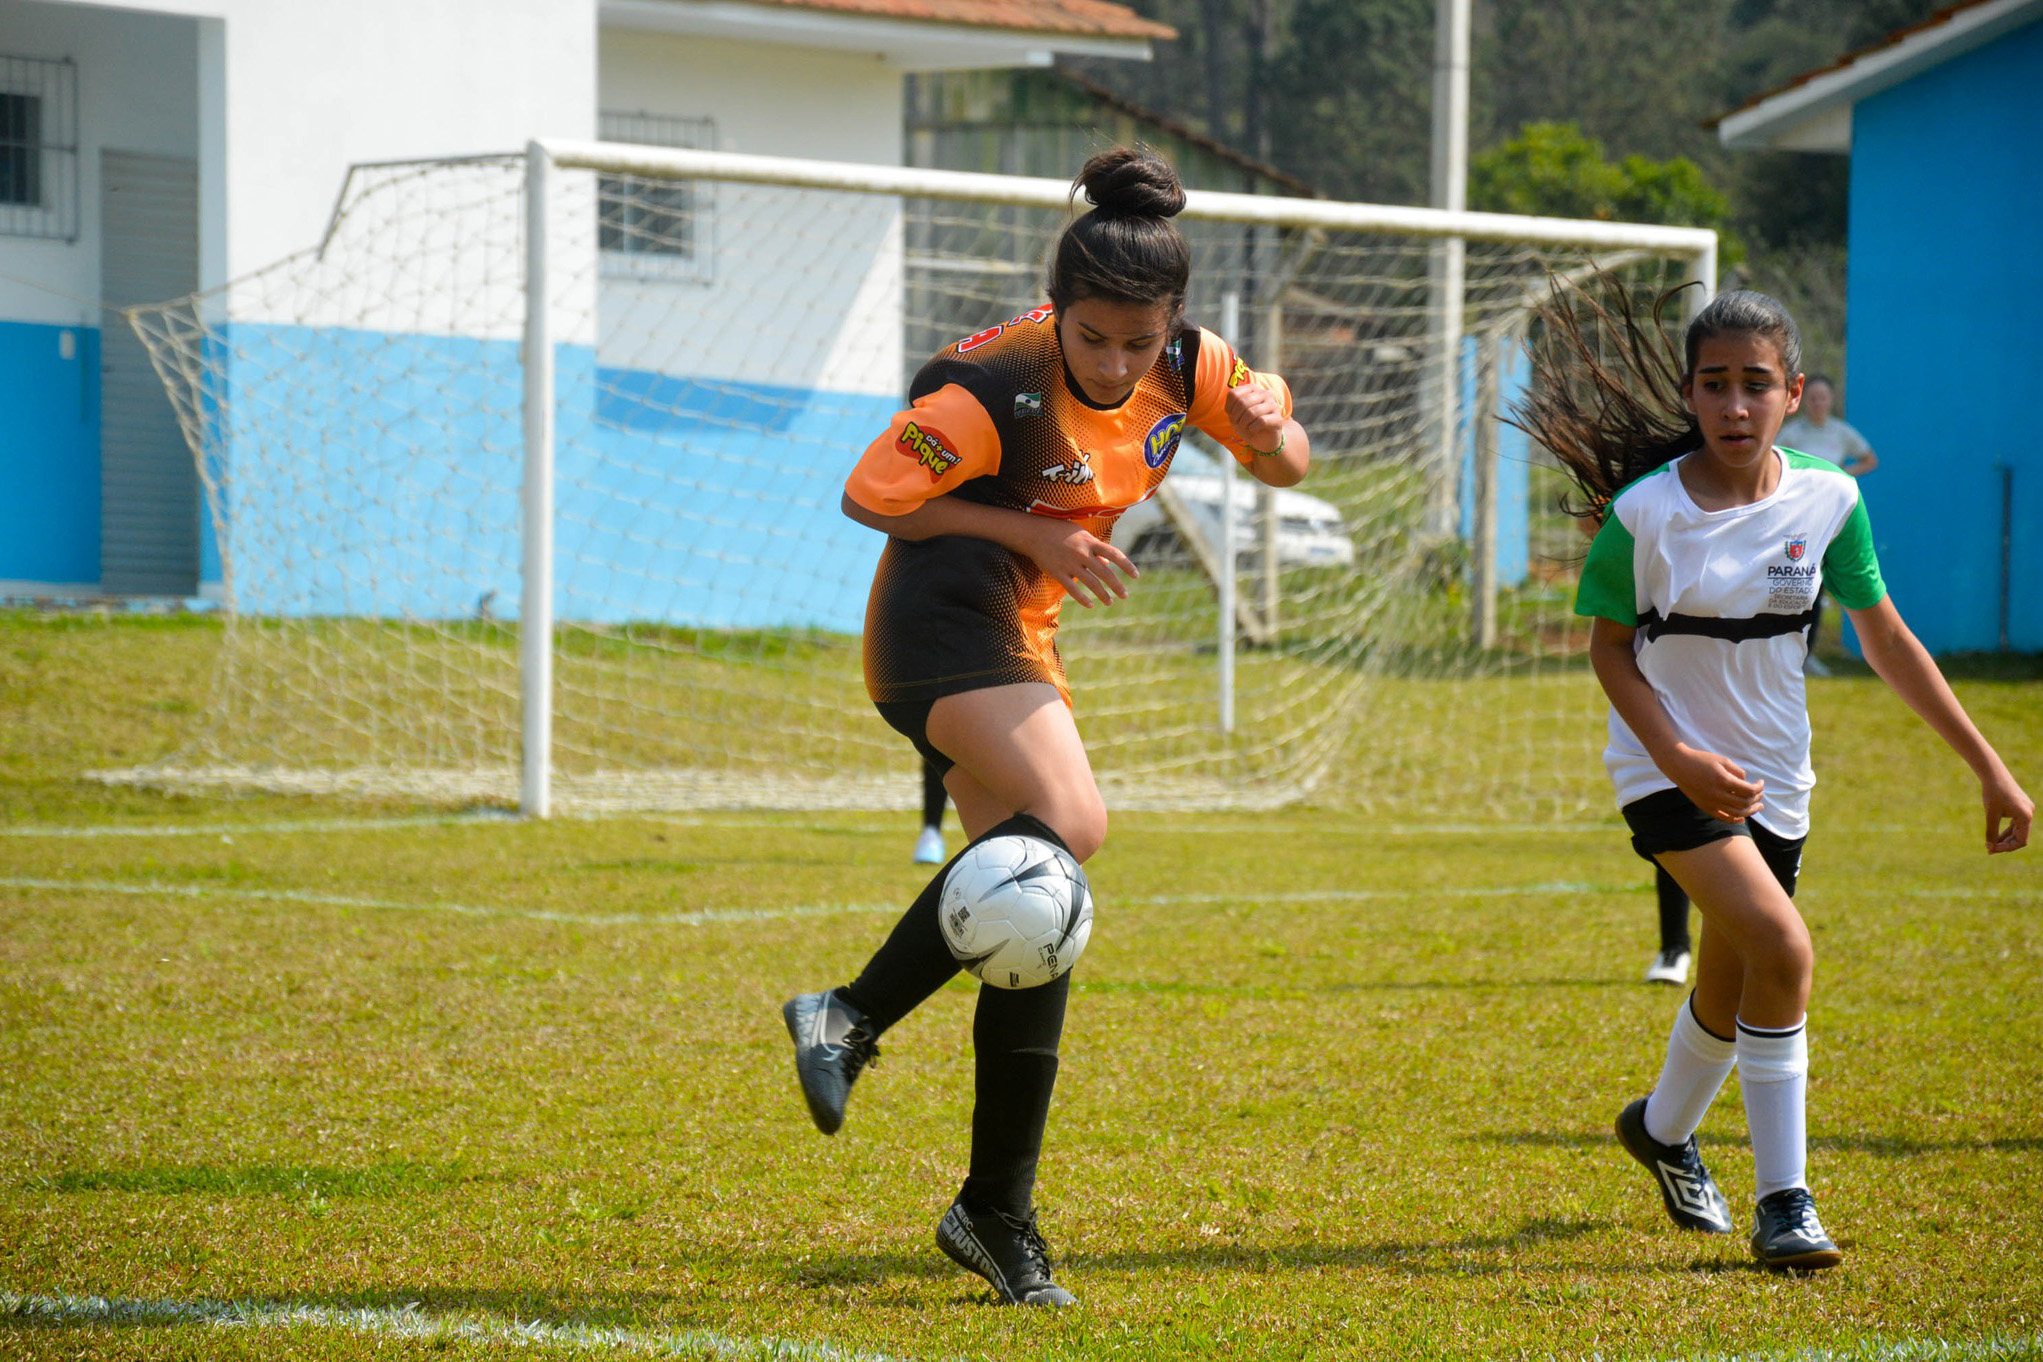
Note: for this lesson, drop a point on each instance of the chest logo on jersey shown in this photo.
(1796, 548)
(1162, 440)
(1028, 404)
(927, 448)
(1077, 473)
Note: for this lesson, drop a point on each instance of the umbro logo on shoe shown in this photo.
(1697, 1197)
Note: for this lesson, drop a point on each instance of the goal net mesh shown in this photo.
(724, 352)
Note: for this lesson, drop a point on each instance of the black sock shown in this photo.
(1015, 1035)
(933, 796)
(1673, 912)
(914, 962)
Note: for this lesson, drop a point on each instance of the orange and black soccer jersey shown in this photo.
(997, 419)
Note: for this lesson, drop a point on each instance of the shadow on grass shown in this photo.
(1879, 1146)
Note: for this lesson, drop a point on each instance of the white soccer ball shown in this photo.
(1016, 911)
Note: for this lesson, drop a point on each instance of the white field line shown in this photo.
(505, 818)
(706, 916)
(284, 828)
(697, 918)
(411, 1322)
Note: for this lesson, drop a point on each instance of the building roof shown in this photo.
(1812, 112)
(1122, 104)
(1096, 18)
(913, 35)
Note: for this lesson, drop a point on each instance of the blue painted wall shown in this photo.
(1946, 339)
(1514, 463)
(390, 468)
(49, 454)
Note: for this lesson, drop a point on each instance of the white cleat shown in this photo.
(929, 847)
(1668, 967)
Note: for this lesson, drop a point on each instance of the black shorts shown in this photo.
(1667, 820)
(910, 718)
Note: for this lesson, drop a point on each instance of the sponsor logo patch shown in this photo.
(927, 448)
(1796, 548)
(1076, 473)
(1162, 440)
(1028, 404)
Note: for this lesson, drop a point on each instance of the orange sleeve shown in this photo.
(1220, 369)
(942, 441)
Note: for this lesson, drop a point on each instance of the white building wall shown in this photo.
(137, 91)
(803, 290)
(277, 98)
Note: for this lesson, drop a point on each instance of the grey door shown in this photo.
(149, 486)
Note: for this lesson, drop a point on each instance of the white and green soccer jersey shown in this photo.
(1723, 601)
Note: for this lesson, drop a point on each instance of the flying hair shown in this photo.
(1126, 249)
(1605, 397)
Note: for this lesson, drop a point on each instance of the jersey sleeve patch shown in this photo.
(939, 443)
(928, 447)
(1609, 586)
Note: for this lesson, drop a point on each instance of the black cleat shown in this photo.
(1006, 1251)
(833, 1041)
(1786, 1232)
(1693, 1201)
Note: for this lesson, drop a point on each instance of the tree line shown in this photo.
(1576, 108)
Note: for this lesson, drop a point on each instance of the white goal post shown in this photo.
(619, 384)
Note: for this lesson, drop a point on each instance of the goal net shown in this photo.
(472, 535)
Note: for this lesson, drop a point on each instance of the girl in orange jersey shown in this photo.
(998, 489)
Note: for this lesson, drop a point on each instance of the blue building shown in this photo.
(1943, 123)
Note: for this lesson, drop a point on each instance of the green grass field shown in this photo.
(290, 1077)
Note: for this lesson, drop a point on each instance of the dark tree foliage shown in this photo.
(1339, 92)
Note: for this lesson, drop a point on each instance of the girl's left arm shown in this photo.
(1907, 668)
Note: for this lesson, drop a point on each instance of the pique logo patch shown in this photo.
(1162, 440)
(928, 448)
(1796, 548)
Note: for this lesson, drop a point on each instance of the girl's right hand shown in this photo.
(1716, 784)
(1079, 561)
(2006, 805)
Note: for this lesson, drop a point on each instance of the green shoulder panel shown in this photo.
(1608, 589)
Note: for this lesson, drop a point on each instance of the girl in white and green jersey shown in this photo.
(1702, 581)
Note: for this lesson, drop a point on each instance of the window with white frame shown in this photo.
(655, 229)
(38, 147)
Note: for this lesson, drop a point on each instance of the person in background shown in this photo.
(1815, 430)
(929, 844)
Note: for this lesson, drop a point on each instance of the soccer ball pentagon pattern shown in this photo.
(1016, 911)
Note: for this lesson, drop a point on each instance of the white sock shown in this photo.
(1697, 1065)
(1773, 1069)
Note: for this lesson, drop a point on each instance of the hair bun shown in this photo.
(1132, 182)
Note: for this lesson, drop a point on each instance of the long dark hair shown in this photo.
(1612, 412)
(1125, 250)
